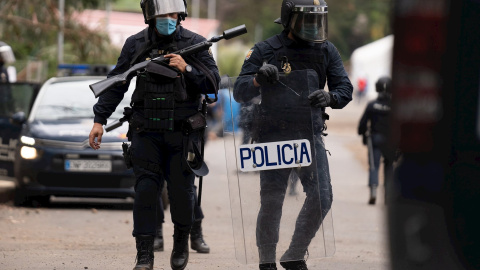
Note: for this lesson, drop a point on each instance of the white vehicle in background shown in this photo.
(368, 63)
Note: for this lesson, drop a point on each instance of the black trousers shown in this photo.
(165, 149)
(161, 213)
(316, 184)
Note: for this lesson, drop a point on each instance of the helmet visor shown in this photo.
(310, 23)
(154, 8)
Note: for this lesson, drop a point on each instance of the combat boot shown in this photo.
(179, 257)
(158, 240)
(294, 265)
(268, 266)
(196, 238)
(373, 195)
(145, 256)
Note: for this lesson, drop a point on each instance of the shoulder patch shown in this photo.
(249, 53)
(210, 51)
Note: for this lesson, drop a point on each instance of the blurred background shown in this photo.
(46, 33)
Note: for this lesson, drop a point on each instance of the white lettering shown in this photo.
(274, 155)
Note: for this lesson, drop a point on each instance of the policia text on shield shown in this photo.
(165, 125)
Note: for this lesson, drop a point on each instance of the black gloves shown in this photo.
(320, 99)
(267, 74)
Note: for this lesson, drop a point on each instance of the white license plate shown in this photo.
(274, 155)
(78, 165)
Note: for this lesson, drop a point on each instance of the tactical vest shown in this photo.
(295, 110)
(160, 88)
(290, 59)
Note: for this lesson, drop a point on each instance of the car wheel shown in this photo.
(39, 201)
(19, 198)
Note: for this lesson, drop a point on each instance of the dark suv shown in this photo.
(53, 156)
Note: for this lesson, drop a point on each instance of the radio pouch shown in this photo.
(195, 122)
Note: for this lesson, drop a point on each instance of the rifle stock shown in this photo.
(102, 86)
(115, 124)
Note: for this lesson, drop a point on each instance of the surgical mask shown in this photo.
(166, 26)
(310, 30)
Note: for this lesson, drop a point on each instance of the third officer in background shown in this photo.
(301, 45)
(6, 99)
(373, 127)
(161, 137)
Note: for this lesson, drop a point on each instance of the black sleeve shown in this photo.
(205, 76)
(338, 82)
(108, 102)
(244, 89)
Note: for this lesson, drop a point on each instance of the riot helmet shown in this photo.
(153, 8)
(6, 53)
(306, 19)
(384, 85)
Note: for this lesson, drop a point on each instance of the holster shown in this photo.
(127, 155)
(195, 122)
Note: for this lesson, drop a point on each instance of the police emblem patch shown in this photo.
(249, 53)
(210, 51)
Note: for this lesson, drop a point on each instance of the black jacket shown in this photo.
(197, 81)
(328, 64)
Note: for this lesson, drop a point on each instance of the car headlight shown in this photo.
(28, 152)
(27, 140)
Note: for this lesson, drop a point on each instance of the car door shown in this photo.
(16, 100)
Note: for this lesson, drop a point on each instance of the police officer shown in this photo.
(301, 45)
(158, 130)
(6, 99)
(373, 126)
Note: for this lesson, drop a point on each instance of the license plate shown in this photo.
(274, 155)
(76, 165)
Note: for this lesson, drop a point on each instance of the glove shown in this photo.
(319, 99)
(267, 74)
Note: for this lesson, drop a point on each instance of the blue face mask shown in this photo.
(166, 26)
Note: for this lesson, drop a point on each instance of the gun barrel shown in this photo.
(100, 87)
(234, 32)
(115, 124)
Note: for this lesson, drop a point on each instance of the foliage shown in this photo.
(232, 57)
(31, 28)
(352, 23)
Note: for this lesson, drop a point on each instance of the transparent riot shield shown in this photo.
(279, 180)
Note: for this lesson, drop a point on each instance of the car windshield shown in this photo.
(73, 100)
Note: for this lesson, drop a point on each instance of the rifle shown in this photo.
(102, 86)
(202, 151)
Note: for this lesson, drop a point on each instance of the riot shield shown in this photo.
(279, 181)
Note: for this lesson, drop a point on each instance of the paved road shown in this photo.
(97, 234)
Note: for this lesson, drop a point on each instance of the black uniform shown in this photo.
(159, 155)
(377, 113)
(325, 60)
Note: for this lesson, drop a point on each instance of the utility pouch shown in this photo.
(195, 122)
(161, 88)
(127, 155)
